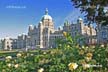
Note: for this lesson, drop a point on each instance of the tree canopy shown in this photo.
(96, 11)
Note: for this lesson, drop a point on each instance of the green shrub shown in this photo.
(67, 57)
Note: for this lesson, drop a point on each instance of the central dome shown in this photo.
(46, 16)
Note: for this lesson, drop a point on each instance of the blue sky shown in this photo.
(17, 15)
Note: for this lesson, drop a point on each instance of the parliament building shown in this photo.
(43, 35)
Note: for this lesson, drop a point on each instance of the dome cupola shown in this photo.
(46, 16)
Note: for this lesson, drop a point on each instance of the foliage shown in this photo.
(67, 57)
(96, 10)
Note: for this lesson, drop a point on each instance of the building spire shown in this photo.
(46, 11)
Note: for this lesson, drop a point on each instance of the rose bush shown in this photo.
(69, 56)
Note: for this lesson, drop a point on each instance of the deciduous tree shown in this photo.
(96, 11)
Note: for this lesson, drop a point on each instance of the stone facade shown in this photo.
(44, 35)
(57, 34)
(1, 44)
(102, 34)
(7, 43)
(14, 43)
(20, 42)
(38, 36)
(88, 32)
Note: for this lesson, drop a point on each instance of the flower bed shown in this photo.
(67, 57)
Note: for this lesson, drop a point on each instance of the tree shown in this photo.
(96, 11)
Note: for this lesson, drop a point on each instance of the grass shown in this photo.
(13, 52)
